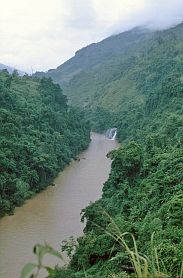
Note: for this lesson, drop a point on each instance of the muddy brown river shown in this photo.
(54, 214)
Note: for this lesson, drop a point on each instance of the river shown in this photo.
(54, 214)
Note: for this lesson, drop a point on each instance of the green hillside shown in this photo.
(93, 55)
(110, 73)
(39, 135)
(143, 195)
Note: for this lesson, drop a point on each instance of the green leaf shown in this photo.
(41, 250)
(27, 269)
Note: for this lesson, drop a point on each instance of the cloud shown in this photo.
(81, 15)
(155, 14)
(161, 14)
(164, 13)
(44, 33)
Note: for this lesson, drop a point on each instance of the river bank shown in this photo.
(54, 214)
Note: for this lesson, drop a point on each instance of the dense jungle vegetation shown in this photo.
(39, 135)
(140, 93)
(144, 194)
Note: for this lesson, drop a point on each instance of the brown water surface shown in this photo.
(54, 214)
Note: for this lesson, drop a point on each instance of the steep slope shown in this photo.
(39, 135)
(109, 74)
(89, 57)
(117, 80)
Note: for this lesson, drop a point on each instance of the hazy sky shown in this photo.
(42, 34)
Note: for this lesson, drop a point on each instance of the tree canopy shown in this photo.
(39, 135)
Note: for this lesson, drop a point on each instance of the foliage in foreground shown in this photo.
(33, 269)
(39, 135)
(140, 265)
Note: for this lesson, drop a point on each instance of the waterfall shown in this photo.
(114, 136)
(111, 133)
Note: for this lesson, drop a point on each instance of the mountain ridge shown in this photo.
(85, 53)
(92, 46)
(91, 79)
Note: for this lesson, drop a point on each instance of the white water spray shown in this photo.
(114, 136)
(111, 133)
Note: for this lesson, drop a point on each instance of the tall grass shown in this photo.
(143, 266)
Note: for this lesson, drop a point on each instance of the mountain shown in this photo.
(10, 69)
(106, 74)
(89, 57)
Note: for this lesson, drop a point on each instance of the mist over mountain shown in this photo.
(11, 69)
(50, 32)
(105, 73)
(90, 56)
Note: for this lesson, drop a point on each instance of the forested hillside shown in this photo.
(95, 54)
(39, 135)
(143, 195)
(140, 93)
(110, 74)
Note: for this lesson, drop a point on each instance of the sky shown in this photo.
(37, 35)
